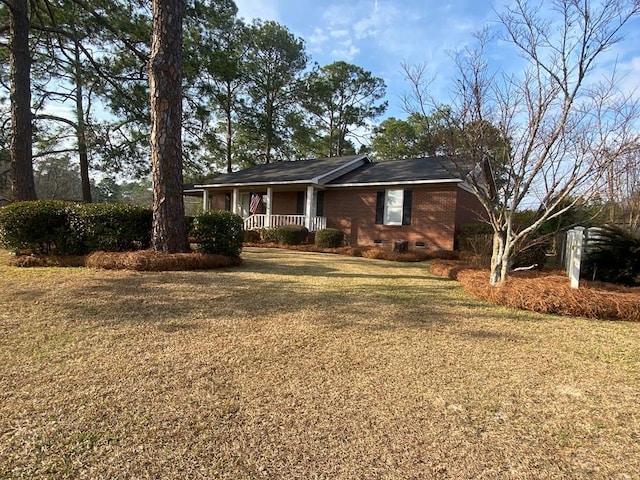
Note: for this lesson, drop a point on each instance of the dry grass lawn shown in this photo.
(306, 366)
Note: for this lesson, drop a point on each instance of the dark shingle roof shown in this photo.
(301, 171)
(411, 170)
(351, 170)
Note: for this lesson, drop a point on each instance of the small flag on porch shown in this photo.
(255, 203)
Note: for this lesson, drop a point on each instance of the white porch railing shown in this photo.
(257, 221)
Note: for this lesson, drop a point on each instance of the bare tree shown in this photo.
(165, 83)
(564, 123)
(621, 190)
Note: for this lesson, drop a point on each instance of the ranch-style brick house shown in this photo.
(421, 200)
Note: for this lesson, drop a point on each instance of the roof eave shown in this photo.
(400, 182)
(250, 184)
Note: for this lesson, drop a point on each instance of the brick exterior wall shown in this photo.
(434, 216)
(285, 203)
(437, 213)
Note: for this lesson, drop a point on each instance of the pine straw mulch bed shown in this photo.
(141, 260)
(546, 292)
(148, 260)
(373, 252)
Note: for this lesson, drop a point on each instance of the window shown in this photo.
(393, 207)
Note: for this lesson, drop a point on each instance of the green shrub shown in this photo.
(613, 255)
(476, 238)
(329, 238)
(291, 234)
(111, 227)
(533, 254)
(35, 226)
(269, 235)
(251, 236)
(74, 228)
(218, 232)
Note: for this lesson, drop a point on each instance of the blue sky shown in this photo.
(379, 34)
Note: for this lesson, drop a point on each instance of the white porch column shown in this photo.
(235, 200)
(269, 210)
(309, 208)
(205, 201)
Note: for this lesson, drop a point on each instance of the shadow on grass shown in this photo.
(328, 290)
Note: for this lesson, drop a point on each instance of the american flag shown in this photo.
(255, 202)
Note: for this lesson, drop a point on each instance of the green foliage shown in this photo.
(269, 235)
(329, 238)
(291, 234)
(110, 227)
(218, 232)
(476, 238)
(613, 255)
(251, 236)
(534, 253)
(395, 139)
(74, 228)
(35, 226)
(342, 97)
(274, 60)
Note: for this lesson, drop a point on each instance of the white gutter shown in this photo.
(400, 182)
(251, 184)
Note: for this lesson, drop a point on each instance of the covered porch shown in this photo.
(262, 207)
(257, 221)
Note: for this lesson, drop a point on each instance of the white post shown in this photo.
(205, 201)
(309, 210)
(267, 220)
(576, 256)
(235, 200)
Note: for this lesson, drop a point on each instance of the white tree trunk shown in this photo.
(500, 258)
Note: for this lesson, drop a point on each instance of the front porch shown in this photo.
(257, 221)
(268, 208)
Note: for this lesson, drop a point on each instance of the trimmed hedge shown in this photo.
(37, 226)
(67, 228)
(269, 235)
(291, 234)
(218, 232)
(329, 238)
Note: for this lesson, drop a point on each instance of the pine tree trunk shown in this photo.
(23, 184)
(81, 130)
(165, 82)
(229, 133)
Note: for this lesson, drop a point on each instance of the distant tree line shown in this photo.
(250, 92)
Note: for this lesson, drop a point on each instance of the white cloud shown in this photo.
(346, 52)
(318, 36)
(338, 33)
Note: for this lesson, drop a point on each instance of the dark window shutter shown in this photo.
(380, 208)
(406, 207)
(300, 203)
(227, 202)
(320, 203)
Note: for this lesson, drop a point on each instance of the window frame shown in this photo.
(393, 214)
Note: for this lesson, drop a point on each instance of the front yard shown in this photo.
(304, 365)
